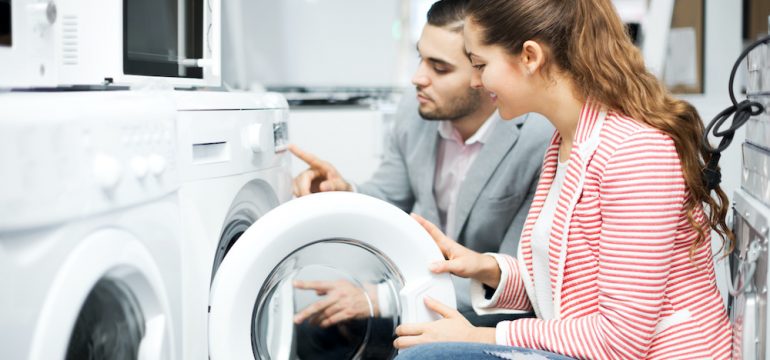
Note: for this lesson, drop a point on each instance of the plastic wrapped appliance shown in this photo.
(748, 265)
(755, 178)
(751, 205)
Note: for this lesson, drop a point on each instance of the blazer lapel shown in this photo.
(504, 135)
(426, 166)
(585, 144)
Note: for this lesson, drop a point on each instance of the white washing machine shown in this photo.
(89, 226)
(234, 169)
(242, 250)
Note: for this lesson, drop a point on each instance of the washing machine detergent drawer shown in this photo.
(749, 265)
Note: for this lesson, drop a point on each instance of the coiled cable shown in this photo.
(741, 112)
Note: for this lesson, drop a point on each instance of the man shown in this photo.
(459, 164)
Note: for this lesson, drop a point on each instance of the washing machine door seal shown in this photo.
(317, 232)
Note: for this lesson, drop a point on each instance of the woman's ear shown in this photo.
(532, 56)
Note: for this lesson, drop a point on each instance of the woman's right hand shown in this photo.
(460, 260)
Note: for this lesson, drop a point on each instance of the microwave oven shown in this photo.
(52, 43)
(27, 43)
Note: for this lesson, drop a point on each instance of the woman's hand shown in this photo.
(460, 260)
(453, 327)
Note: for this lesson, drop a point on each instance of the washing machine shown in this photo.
(245, 243)
(234, 169)
(89, 226)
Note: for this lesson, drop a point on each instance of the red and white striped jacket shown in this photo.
(623, 281)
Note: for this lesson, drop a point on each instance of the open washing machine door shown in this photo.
(342, 243)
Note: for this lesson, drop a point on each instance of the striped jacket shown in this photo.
(623, 282)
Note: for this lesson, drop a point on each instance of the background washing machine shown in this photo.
(234, 169)
(89, 226)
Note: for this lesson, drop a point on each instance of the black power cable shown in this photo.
(743, 111)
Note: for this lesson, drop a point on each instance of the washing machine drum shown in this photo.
(329, 275)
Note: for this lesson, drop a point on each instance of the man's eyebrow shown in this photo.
(435, 60)
(439, 61)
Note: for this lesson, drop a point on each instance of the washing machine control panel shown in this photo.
(224, 134)
(67, 155)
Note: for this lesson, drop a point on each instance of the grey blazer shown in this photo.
(493, 200)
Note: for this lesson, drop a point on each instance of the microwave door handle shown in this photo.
(201, 63)
(212, 39)
(215, 33)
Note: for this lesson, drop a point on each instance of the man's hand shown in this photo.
(320, 177)
(343, 301)
(460, 260)
(453, 327)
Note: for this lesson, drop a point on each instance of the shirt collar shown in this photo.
(447, 131)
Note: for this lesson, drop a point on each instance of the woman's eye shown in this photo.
(479, 66)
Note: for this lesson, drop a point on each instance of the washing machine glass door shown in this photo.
(110, 324)
(325, 276)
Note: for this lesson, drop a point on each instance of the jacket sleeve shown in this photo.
(641, 199)
(390, 181)
(510, 297)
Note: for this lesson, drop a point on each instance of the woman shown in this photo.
(615, 255)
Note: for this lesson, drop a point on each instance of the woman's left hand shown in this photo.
(452, 328)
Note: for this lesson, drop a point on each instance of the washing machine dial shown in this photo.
(106, 171)
(139, 167)
(157, 164)
(253, 135)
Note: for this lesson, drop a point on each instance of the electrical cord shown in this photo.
(742, 111)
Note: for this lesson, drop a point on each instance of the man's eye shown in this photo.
(479, 66)
(440, 70)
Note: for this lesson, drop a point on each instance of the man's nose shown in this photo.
(476, 80)
(420, 77)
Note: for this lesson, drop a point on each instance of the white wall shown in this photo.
(313, 42)
(350, 138)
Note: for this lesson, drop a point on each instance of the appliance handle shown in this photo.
(746, 270)
(215, 33)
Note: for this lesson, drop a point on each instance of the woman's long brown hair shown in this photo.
(587, 41)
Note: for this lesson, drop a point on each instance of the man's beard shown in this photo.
(456, 107)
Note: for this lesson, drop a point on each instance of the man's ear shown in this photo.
(532, 56)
